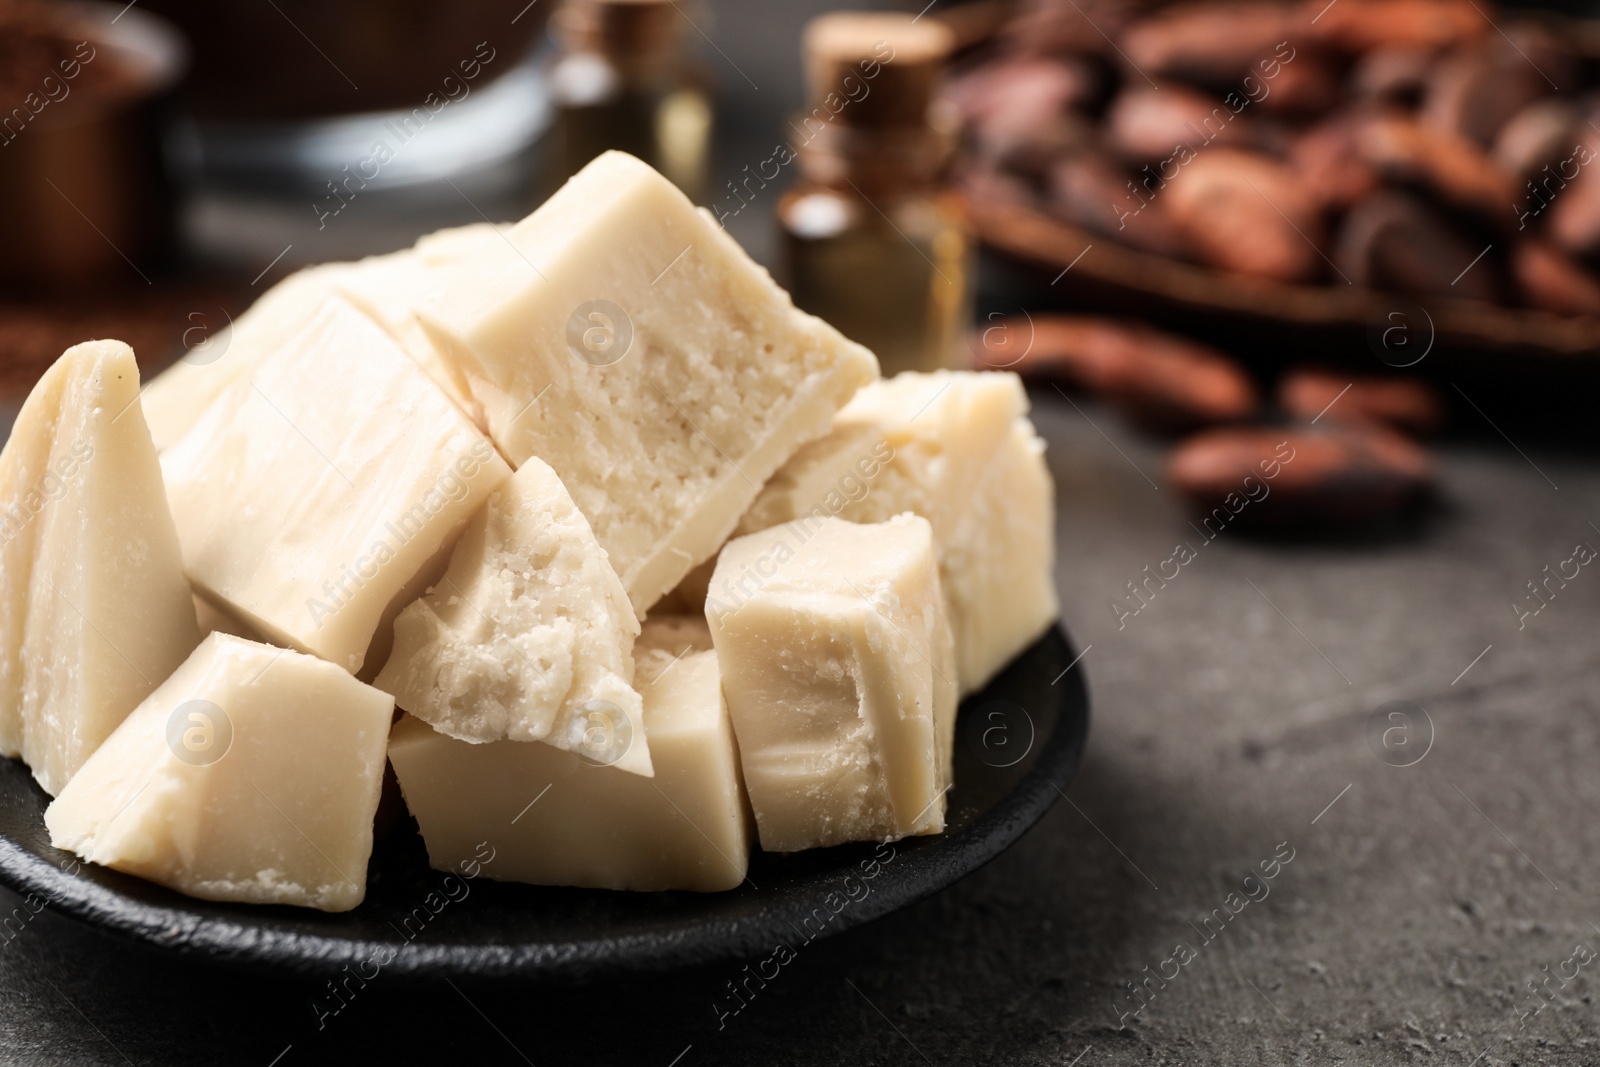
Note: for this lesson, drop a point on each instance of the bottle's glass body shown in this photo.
(876, 243)
(659, 111)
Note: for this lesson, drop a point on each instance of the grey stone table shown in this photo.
(1231, 730)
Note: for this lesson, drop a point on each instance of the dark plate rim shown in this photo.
(936, 864)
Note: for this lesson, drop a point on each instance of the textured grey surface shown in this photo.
(1416, 910)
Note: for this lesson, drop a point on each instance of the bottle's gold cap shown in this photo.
(875, 69)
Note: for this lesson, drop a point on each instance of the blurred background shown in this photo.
(1300, 196)
(1364, 231)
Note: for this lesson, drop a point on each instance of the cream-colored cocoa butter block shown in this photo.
(251, 774)
(955, 447)
(1000, 563)
(391, 287)
(837, 667)
(387, 287)
(217, 357)
(94, 609)
(528, 636)
(313, 490)
(631, 344)
(556, 819)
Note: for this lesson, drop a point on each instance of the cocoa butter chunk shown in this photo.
(1548, 279)
(625, 339)
(315, 488)
(957, 449)
(526, 632)
(1339, 475)
(1163, 382)
(390, 287)
(386, 287)
(176, 398)
(96, 608)
(1408, 404)
(1246, 213)
(837, 667)
(1359, 25)
(251, 774)
(562, 820)
(1394, 242)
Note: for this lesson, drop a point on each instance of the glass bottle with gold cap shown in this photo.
(874, 239)
(624, 80)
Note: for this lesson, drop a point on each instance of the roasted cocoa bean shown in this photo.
(1408, 404)
(1246, 213)
(1315, 476)
(1549, 279)
(1391, 241)
(1161, 382)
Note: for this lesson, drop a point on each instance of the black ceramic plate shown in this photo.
(1018, 742)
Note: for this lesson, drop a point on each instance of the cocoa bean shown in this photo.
(1575, 205)
(1326, 160)
(1540, 135)
(1216, 44)
(1393, 74)
(1161, 382)
(1547, 278)
(1095, 193)
(1408, 404)
(1307, 85)
(1359, 25)
(1147, 125)
(1246, 213)
(1445, 163)
(1341, 475)
(1473, 97)
(1393, 242)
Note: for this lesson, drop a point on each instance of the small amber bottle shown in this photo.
(624, 79)
(874, 239)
